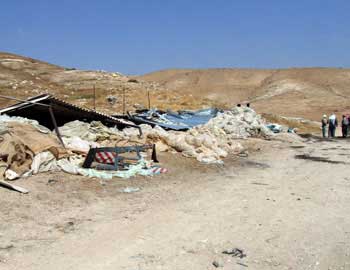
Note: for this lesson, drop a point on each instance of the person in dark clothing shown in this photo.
(344, 126)
(332, 125)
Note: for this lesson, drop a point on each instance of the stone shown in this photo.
(112, 100)
(217, 264)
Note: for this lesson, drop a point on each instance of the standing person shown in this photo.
(324, 123)
(332, 125)
(344, 126)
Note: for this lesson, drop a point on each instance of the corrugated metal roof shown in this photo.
(44, 98)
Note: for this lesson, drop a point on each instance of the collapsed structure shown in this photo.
(64, 112)
(28, 145)
(212, 141)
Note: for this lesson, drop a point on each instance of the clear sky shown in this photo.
(135, 37)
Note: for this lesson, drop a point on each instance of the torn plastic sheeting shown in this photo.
(182, 120)
(78, 144)
(133, 170)
(44, 162)
(5, 119)
(90, 132)
(138, 169)
(275, 128)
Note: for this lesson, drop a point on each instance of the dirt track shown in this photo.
(285, 213)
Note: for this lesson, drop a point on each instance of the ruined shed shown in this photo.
(64, 112)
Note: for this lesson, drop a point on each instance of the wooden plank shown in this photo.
(13, 187)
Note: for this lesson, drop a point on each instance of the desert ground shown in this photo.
(285, 205)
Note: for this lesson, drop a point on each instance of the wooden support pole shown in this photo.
(13, 187)
(124, 101)
(94, 97)
(53, 119)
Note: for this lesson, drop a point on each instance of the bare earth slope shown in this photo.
(24, 77)
(303, 92)
(297, 92)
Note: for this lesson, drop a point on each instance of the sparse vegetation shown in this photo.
(133, 81)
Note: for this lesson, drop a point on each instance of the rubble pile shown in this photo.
(30, 148)
(238, 123)
(211, 142)
(22, 142)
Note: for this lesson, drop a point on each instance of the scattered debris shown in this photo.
(110, 158)
(260, 184)
(7, 247)
(217, 264)
(13, 187)
(21, 143)
(181, 120)
(130, 189)
(235, 252)
(275, 128)
(211, 142)
(37, 150)
(255, 164)
(112, 100)
(297, 146)
(52, 181)
(243, 154)
(319, 159)
(239, 263)
(67, 227)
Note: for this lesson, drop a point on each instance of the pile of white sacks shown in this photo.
(213, 141)
(207, 143)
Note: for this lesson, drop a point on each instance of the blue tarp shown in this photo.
(181, 120)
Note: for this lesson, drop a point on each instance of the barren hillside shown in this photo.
(303, 92)
(24, 77)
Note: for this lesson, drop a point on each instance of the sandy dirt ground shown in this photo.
(285, 205)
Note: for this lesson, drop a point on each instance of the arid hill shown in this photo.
(296, 92)
(24, 77)
(301, 92)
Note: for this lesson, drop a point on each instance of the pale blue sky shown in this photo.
(136, 37)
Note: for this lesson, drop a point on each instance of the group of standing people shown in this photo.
(330, 124)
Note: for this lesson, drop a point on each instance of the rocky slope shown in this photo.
(24, 77)
(302, 92)
(296, 92)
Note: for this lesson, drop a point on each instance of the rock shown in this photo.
(51, 181)
(243, 154)
(138, 106)
(7, 247)
(130, 189)
(68, 227)
(112, 100)
(217, 264)
(133, 81)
